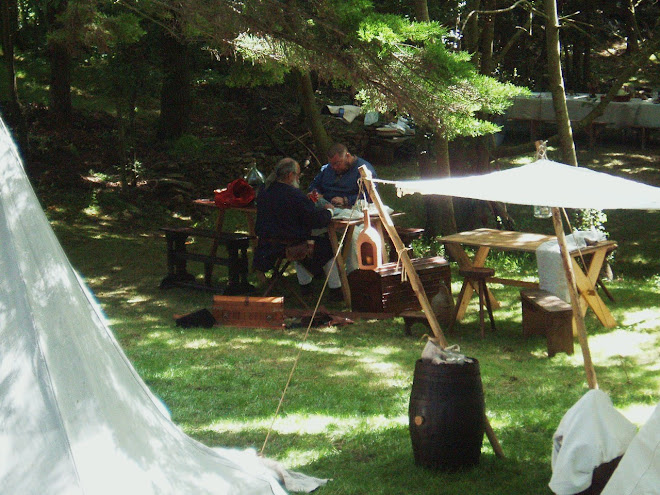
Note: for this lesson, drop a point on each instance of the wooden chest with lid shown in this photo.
(382, 290)
(244, 311)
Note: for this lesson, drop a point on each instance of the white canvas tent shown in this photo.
(75, 417)
(638, 473)
(548, 183)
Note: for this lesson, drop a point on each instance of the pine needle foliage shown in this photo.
(394, 64)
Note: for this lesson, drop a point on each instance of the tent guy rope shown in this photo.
(306, 334)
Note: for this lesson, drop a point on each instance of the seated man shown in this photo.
(337, 182)
(286, 216)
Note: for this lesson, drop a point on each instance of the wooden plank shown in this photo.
(500, 239)
(226, 237)
(545, 301)
(578, 317)
(513, 282)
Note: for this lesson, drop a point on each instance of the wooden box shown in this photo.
(244, 311)
(382, 290)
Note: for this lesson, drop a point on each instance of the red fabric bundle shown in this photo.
(237, 193)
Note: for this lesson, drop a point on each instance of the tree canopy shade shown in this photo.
(393, 63)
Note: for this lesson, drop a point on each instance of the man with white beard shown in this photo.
(286, 217)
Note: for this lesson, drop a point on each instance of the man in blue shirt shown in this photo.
(337, 182)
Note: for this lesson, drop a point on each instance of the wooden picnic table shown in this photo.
(587, 264)
(250, 213)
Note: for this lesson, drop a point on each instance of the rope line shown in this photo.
(404, 272)
(383, 181)
(309, 325)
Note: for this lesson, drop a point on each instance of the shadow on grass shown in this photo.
(345, 413)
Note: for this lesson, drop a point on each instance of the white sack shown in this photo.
(591, 433)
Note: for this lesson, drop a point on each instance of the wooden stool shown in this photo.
(412, 317)
(476, 275)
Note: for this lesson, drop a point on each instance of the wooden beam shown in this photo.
(578, 317)
(402, 251)
(417, 286)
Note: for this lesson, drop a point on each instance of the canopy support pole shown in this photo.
(402, 251)
(575, 299)
(417, 286)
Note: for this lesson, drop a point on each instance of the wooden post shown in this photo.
(575, 299)
(417, 286)
(415, 282)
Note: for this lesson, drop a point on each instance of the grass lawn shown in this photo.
(345, 415)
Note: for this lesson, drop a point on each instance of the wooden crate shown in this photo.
(382, 291)
(244, 311)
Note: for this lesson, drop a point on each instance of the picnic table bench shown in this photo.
(545, 314)
(236, 261)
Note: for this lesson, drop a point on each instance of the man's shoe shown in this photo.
(336, 295)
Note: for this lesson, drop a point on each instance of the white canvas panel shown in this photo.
(638, 473)
(75, 417)
(544, 183)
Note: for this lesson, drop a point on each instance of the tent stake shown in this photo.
(575, 299)
(417, 286)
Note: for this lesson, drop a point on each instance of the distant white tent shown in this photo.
(75, 417)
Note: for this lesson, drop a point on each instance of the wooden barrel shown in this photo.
(446, 415)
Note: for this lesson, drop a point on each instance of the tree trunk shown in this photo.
(487, 35)
(175, 96)
(471, 34)
(513, 41)
(60, 69)
(312, 113)
(630, 24)
(421, 10)
(121, 146)
(557, 83)
(8, 14)
(13, 113)
(60, 81)
(439, 209)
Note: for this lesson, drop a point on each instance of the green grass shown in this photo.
(345, 414)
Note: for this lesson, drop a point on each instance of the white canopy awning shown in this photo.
(544, 183)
